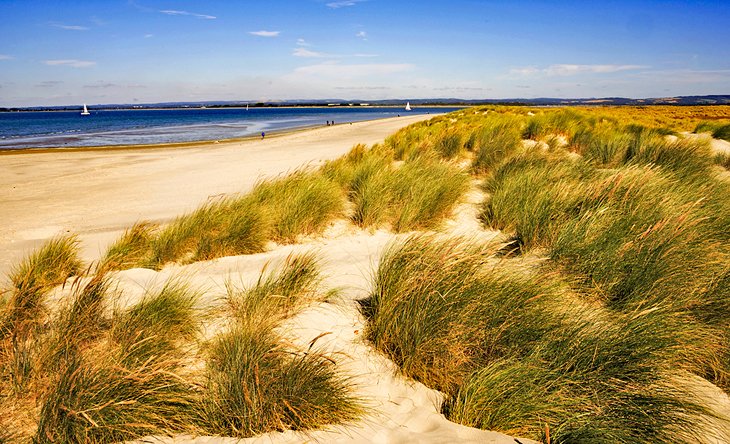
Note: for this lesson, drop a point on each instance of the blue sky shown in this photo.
(137, 51)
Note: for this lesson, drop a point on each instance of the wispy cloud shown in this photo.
(148, 36)
(343, 3)
(70, 62)
(362, 35)
(5, 57)
(304, 52)
(363, 88)
(101, 85)
(335, 69)
(361, 54)
(70, 27)
(188, 13)
(265, 33)
(573, 69)
(48, 84)
(302, 42)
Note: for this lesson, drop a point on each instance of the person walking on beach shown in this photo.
(263, 134)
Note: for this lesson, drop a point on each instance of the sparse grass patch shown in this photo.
(254, 384)
(279, 293)
(49, 266)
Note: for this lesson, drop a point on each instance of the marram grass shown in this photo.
(254, 385)
(524, 355)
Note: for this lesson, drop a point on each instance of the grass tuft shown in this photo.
(255, 386)
(280, 293)
(131, 249)
(300, 203)
(51, 265)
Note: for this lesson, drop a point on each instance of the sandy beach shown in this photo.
(97, 194)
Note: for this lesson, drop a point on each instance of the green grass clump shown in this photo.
(254, 386)
(494, 141)
(158, 323)
(49, 266)
(131, 249)
(300, 203)
(449, 144)
(532, 195)
(564, 122)
(687, 156)
(722, 159)
(99, 400)
(524, 355)
(126, 381)
(412, 140)
(279, 293)
(416, 194)
(234, 225)
(719, 130)
(423, 193)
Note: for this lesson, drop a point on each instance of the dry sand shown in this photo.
(97, 194)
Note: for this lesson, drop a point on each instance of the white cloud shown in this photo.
(360, 54)
(343, 3)
(304, 52)
(569, 70)
(335, 69)
(147, 36)
(192, 14)
(362, 34)
(70, 62)
(302, 42)
(70, 27)
(573, 69)
(265, 33)
(5, 57)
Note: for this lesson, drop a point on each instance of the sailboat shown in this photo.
(85, 112)
(247, 107)
(408, 106)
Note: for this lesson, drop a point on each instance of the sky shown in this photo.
(63, 52)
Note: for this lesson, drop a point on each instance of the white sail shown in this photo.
(408, 106)
(85, 112)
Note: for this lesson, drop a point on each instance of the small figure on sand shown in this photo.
(328, 123)
(263, 134)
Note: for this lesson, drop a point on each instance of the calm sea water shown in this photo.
(19, 130)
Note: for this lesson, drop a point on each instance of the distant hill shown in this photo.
(542, 101)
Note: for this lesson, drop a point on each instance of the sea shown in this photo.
(66, 129)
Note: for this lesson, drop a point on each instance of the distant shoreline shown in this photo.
(166, 145)
(178, 128)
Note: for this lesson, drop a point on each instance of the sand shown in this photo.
(98, 194)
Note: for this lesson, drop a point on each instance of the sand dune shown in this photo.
(98, 194)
